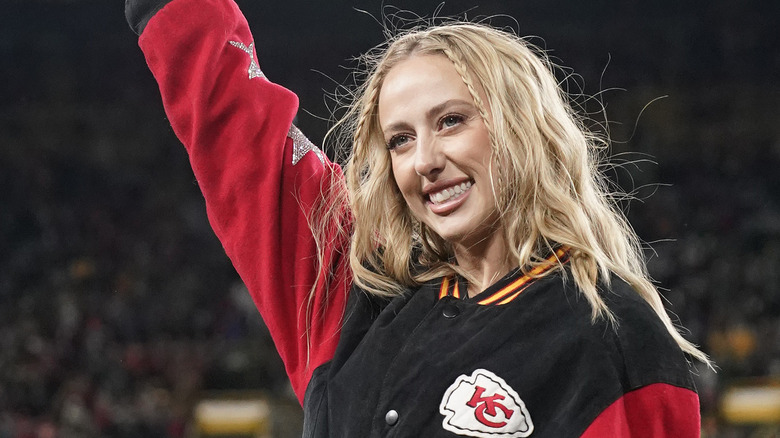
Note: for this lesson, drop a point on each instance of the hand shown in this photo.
(139, 12)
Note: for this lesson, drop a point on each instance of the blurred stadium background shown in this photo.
(120, 315)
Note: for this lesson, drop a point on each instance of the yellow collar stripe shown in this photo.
(456, 292)
(512, 290)
(509, 292)
(445, 286)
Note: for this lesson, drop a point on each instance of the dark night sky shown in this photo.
(70, 50)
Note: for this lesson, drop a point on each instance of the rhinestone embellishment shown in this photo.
(254, 69)
(302, 146)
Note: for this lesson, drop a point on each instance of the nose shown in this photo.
(428, 159)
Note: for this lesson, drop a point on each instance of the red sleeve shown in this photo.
(236, 127)
(654, 411)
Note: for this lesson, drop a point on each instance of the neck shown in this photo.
(485, 262)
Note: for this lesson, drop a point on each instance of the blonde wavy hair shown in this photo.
(550, 190)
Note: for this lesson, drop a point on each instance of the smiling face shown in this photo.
(439, 149)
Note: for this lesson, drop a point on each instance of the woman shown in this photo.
(466, 276)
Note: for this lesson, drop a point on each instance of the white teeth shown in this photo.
(450, 193)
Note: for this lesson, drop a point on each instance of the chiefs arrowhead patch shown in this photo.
(483, 405)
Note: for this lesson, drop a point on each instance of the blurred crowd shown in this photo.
(120, 308)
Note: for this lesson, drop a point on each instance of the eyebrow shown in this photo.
(431, 113)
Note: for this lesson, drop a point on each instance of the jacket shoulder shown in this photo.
(648, 351)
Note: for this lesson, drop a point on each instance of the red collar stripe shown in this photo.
(508, 289)
(511, 297)
(513, 289)
(509, 292)
(444, 289)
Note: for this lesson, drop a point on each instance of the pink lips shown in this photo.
(450, 205)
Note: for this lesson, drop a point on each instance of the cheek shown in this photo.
(403, 181)
(407, 188)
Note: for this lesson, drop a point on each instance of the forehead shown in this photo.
(418, 82)
(418, 68)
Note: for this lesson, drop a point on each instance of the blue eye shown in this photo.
(397, 140)
(450, 120)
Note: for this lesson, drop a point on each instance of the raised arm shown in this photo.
(259, 175)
